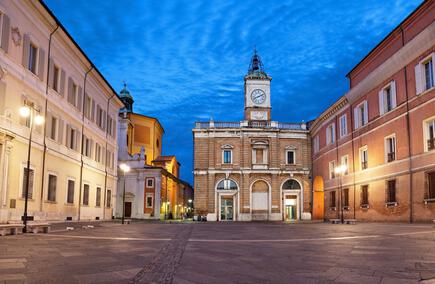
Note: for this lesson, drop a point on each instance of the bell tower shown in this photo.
(257, 91)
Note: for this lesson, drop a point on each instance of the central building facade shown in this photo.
(254, 169)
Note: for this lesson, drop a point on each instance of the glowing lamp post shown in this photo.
(125, 169)
(340, 170)
(28, 112)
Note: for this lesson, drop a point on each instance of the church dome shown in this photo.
(125, 93)
(127, 99)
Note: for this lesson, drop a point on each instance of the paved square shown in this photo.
(223, 253)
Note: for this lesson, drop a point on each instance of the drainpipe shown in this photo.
(353, 159)
(81, 150)
(408, 133)
(105, 161)
(339, 188)
(44, 153)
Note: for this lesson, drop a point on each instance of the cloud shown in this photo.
(185, 60)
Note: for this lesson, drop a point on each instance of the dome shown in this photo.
(127, 99)
(125, 93)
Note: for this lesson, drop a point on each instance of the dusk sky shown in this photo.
(184, 61)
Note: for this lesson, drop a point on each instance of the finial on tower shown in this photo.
(256, 68)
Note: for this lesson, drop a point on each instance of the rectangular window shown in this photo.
(316, 144)
(72, 96)
(98, 197)
(333, 203)
(361, 115)
(87, 147)
(70, 193)
(364, 158)
(364, 195)
(72, 139)
(150, 183)
(33, 58)
(390, 148)
(52, 182)
(53, 133)
(343, 126)
(56, 78)
(428, 74)
(97, 153)
(109, 198)
(345, 163)
(332, 169)
(391, 191)
(430, 135)
(330, 134)
(149, 203)
(31, 178)
(227, 156)
(431, 186)
(387, 98)
(346, 197)
(88, 105)
(291, 157)
(86, 194)
(99, 116)
(259, 156)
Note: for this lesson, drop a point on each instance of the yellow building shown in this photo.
(153, 189)
(72, 173)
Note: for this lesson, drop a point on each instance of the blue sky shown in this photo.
(184, 60)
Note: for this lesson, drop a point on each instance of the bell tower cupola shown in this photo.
(127, 99)
(257, 91)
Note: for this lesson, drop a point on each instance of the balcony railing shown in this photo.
(431, 144)
(364, 165)
(391, 157)
(250, 124)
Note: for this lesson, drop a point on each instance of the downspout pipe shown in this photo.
(408, 133)
(105, 160)
(353, 158)
(44, 152)
(82, 140)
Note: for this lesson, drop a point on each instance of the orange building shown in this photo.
(382, 130)
(153, 189)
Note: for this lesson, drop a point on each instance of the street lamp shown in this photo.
(28, 112)
(125, 169)
(340, 170)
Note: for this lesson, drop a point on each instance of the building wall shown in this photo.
(30, 20)
(395, 61)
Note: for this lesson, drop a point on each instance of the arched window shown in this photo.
(291, 184)
(227, 184)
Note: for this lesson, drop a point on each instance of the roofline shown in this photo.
(151, 117)
(387, 36)
(79, 48)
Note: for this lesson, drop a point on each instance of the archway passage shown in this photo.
(318, 199)
(260, 200)
(291, 202)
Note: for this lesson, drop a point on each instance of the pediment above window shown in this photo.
(290, 147)
(260, 144)
(227, 146)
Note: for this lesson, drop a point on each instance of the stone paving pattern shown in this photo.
(222, 253)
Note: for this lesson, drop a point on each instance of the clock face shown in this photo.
(258, 96)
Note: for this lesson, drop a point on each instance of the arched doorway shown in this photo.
(318, 199)
(291, 200)
(260, 200)
(227, 199)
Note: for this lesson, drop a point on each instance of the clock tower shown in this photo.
(257, 91)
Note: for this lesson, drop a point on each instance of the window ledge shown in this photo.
(69, 204)
(333, 208)
(426, 91)
(346, 208)
(50, 201)
(365, 206)
(429, 200)
(390, 204)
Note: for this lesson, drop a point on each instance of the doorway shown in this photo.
(127, 209)
(291, 208)
(227, 208)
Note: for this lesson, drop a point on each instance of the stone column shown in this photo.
(140, 195)
(4, 169)
(157, 197)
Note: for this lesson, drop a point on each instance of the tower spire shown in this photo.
(256, 68)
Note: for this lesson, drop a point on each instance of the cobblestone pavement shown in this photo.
(222, 253)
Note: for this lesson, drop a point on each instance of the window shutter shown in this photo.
(78, 146)
(85, 105)
(104, 120)
(418, 82)
(26, 47)
(355, 118)
(433, 67)
(60, 131)
(41, 64)
(93, 111)
(68, 136)
(91, 149)
(62, 83)
(51, 73)
(5, 33)
(328, 136)
(70, 89)
(2, 96)
(366, 112)
(104, 154)
(48, 124)
(393, 94)
(381, 102)
(80, 99)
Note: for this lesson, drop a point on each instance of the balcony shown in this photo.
(250, 124)
(431, 144)
(391, 157)
(364, 165)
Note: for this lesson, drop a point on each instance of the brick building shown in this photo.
(382, 130)
(255, 169)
